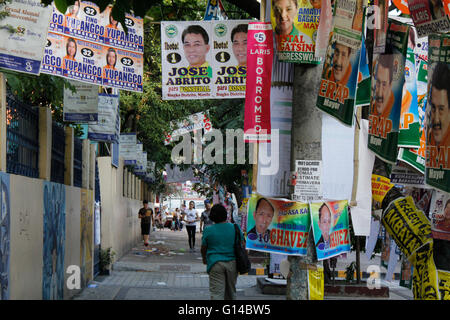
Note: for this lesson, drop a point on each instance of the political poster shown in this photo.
(316, 283)
(386, 98)
(337, 91)
(197, 121)
(380, 187)
(381, 24)
(204, 59)
(81, 106)
(23, 49)
(128, 148)
(87, 45)
(107, 127)
(429, 16)
(364, 80)
(437, 115)
(308, 184)
(215, 11)
(295, 25)
(440, 215)
(330, 225)
(257, 125)
(277, 226)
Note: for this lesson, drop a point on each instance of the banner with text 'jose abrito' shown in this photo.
(204, 59)
(87, 45)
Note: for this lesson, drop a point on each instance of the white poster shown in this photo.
(23, 49)
(308, 186)
(107, 127)
(81, 106)
(204, 59)
(128, 148)
(193, 122)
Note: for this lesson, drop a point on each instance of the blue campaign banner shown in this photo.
(115, 154)
(215, 11)
(20, 64)
(107, 127)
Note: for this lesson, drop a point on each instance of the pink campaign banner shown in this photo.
(259, 75)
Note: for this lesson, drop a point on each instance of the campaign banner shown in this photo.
(81, 106)
(128, 148)
(437, 115)
(197, 121)
(277, 226)
(295, 24)
(316, 283)
(107, 127)
(363, 87)
(444, 284)
(87, 45)
(215, 11)
(330, 224)
(406, 177)
(337, 89)
(204, 59)
(425, 284)
(257, 126)
(440, 215)
(381, 24)
(380, 187)
(386, 98)
(429, 16)
(23, 49)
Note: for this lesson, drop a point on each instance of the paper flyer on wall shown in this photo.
(387, 86)
(277, 225)
(81, 106)
(437, 115)
(337, 91)
(23, 49)
(87, 45)
(440, 215)
(330, 224)
(429, 16)
(204, 59)
(308, 185)
(295, 26)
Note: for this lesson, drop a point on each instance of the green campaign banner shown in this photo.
(437, 115)
(386, 99)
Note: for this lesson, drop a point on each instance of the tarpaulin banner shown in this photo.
(363, 87)
(330, 224)
(437, 115)
(23, 49)
(295, 24)
(107, 127)
(257, 126)
(387, 86)
(425, 275)
(440, 215)
(128, 148)
(197, 121)
(429, 16)
(277, 225)
(204, 59)
(381, 25)
(337, 91)
(215, 11)
(81, 106)
(380, 186)
(316, 283)
(444, 284)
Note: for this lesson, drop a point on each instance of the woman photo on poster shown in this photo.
(71, 51)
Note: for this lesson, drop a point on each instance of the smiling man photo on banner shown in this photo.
(263, 215)
(341, 68)
(285, 14)
(196, 46)
(325, 220)
(383, 100)
(239, 43)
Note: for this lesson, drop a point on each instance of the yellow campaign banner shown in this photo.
(380, 186)
(408, 226)
(425, 275)
(444, 284)
(316, 283)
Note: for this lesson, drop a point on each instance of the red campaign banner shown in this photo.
(259, 76)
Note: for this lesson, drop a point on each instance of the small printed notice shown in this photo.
(308, 185)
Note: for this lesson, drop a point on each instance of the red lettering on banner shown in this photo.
(437, 158)
(333, 91)
(379, 126)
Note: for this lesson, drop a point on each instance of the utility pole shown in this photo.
(306, 136)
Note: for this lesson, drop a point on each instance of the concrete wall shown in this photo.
(120, 226)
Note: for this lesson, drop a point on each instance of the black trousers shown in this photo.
(191, 235)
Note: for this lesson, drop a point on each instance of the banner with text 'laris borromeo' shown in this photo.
(437, 114)
(257, 127)
(204, 59)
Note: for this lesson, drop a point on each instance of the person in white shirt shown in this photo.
(191, 224)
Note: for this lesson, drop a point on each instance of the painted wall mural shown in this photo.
(4, 235)
(86, 229)
(54, 241)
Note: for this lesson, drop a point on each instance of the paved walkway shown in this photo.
(166, 270)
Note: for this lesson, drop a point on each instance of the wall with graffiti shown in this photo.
(86, 235)
(4, 235)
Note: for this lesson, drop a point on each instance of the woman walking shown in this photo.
(218, 255)
(191, 223)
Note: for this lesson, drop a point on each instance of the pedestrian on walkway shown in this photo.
(218, 255)
(191, 224)
(205, 220)
(146, 215)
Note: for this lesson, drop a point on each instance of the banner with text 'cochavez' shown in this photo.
(204, 59)
(87, 45)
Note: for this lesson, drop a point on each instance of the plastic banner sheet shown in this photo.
(107, 128)
(277, 225)
(330, 224)
(387, 85)
(295, 25)
(437, 115)
(204, 59)
(440, 215)
(197, 121)
(87, 45)
(316, 283)
(81, 106)
(429, 16)
(23, 49)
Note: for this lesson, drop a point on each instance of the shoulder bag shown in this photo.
(243, 264)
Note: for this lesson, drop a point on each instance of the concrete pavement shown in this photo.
(166, 270)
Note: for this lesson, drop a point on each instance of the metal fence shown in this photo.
(58, 152)
(77, 161)
(22, 138)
